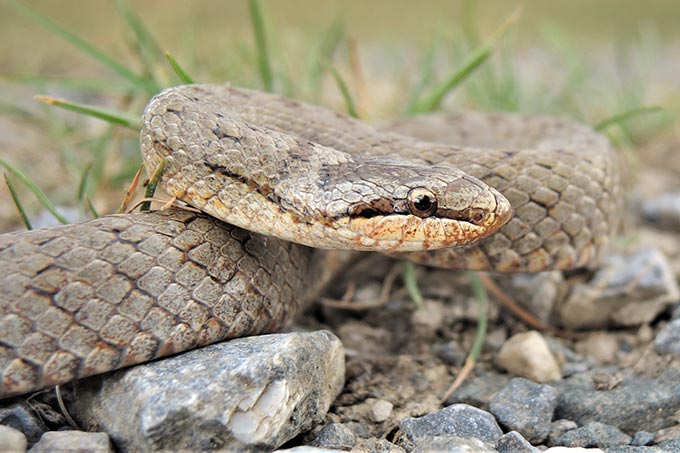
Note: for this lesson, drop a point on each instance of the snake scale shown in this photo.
(82, 299)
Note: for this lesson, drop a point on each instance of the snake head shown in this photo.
(439, 207)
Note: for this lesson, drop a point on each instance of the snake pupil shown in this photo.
(422, 202)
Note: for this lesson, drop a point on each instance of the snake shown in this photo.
(280, 184)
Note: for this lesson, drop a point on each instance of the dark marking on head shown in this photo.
(374, 208)
(265, 190)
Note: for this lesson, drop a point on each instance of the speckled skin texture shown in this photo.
(92, 297)
(83, 299)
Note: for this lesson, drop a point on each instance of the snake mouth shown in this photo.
(398, 232)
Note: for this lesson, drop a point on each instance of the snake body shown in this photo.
(83, 299)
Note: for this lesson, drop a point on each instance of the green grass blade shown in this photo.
(425, 76)
(91, 207)
(149, 50)
(183, 76)
(479, 56)
(82, 187)
(85, 47)
(33, 187)
(482, 322)
(151, 186)
(621, 118)
(328, 47)
(411, 283)
(122, 119)
(344, 90)
(263, 62)
(17, 203)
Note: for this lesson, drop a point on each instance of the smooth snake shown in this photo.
(88, 298)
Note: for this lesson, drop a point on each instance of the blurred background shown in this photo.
(589, 60)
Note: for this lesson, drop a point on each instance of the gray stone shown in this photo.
(557, 428)
(451, 444)
(636, 403)
(663, 211)
(525, 407)
(458, 420)
(76, 441)
(335, 435)
(540, 292)
(374, 444)
(667, 341)
(479, 391)
(513, 442)
(642, 438)
(626, 290)
(247, 394)
(21, 417)
(450, 352)
(12, 440)
(594, 434)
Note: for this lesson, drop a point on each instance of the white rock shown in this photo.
(527, 355)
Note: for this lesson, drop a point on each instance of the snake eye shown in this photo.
(422, 202)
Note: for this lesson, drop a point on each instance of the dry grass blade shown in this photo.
(130, 191)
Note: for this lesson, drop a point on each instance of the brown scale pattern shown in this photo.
(82, 299)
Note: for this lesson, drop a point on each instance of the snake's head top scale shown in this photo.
(439, 207)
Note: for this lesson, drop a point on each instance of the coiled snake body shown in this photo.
(83, 299)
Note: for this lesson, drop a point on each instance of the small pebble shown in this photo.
(20, 416)
(335, 435)
(525, 407)
(642, 438)
(458, 420)
(594, 434)
(557, 428)
(479, 391)
(381, 411)
(451, 353)
(12, 440)
(600, 345)
(513, 442)
(663, 211)
(667, 341)
(76, 441)
(527, 355)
